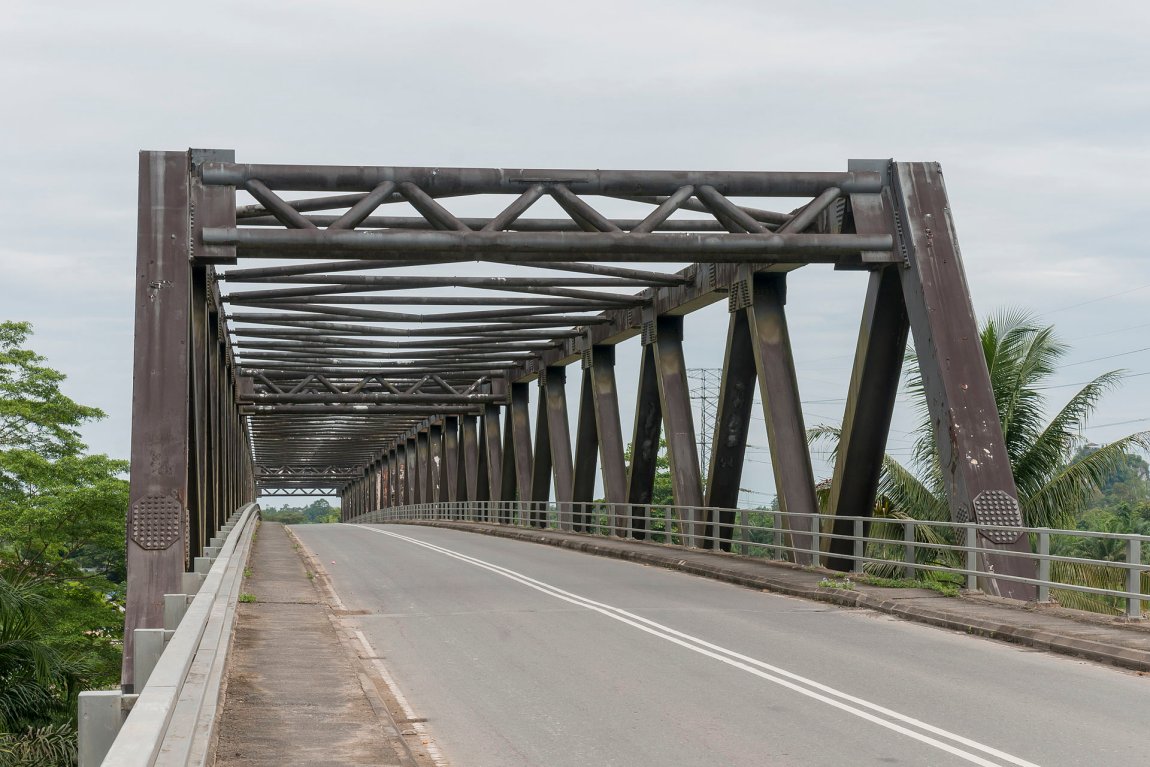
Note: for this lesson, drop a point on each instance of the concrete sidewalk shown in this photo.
(296, 692)
(1071, 632)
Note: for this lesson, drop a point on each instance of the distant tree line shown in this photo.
(316, 513)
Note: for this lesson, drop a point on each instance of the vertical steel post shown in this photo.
(541, 464)
(870, 396)
(157, 515)
(520, 416)
(732, 421)
(976, 468)
(779, 391)
(450, 476)
(469, 460)
(559, 434)
(609, 433)
(679, 425)
(645, 442)
(586, 452)
(435, 463)
(423, 462)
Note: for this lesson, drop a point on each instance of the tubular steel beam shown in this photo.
(968, 432)
(546, 246)
(454, 181)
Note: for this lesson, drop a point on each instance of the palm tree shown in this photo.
(38, 685)
(1053, 489)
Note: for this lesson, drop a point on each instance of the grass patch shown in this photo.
(942, 587)
(247, 572)
(310, 575)
(843, 584)
(247, 597)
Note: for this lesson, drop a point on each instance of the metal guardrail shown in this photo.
(179, 668)
(774, 535)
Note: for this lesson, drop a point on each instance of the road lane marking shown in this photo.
(810, 688)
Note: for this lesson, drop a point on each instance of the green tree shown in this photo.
(61, 557)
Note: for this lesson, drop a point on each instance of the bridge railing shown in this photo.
(179, 669)
(1117, 579)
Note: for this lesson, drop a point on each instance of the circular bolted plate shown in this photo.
(997, 507)
(156, 521)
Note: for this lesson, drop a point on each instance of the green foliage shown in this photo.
(318, 512)
(34, 414)
(39, 746)
(61, 558)
(38, 683)
(1058, 477)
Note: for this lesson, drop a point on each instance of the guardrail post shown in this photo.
(1133, 577)
(777, 536)
(744, 535)
(816, 540)
(190, 583)
(149, 645)
(909, 551)
(175, 605)
(1044, 565)
(859, 547)
(971, 558)
(100, 714)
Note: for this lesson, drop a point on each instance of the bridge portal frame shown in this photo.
(210, 430)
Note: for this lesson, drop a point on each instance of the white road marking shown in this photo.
(810, 688)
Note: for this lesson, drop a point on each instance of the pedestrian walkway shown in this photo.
(296, 693)
(1071, 632)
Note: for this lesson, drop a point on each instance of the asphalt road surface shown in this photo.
(523, 654)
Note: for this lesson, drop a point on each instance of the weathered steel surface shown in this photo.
(678, 425)
(160, 427)
(732, 420)
(968, 432)
(870, 404)
(779, 391)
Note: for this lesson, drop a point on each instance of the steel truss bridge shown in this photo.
(380, 333)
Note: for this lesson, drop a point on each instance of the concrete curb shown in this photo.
(695, 563)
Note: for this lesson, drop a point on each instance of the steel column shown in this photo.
(870, 404)
(645, 443)
(679, 426)
(779, 391)
(609, 433)
(732, 421)
(449, 478)
(968, 431)
(157, 515)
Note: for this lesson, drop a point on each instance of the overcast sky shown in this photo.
(1038, 112)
